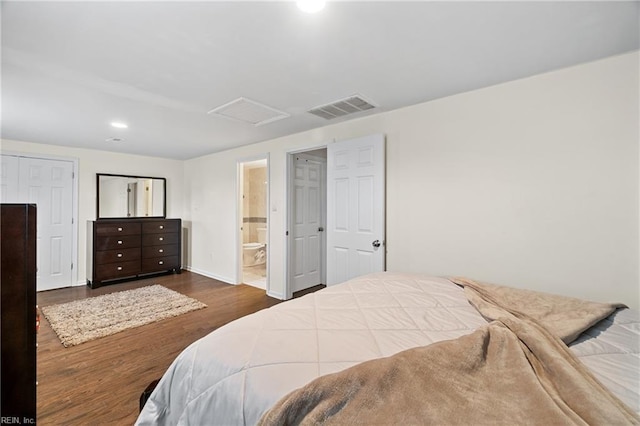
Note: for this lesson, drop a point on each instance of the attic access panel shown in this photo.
(249, 111)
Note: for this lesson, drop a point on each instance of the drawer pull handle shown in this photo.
(161, 262)
(161, 226)
(119, 241)
(119, 268)
(119, 229)
(119, 254)
(161, 238)
(161, 251)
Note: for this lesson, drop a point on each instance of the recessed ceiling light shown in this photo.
(311, 6)
(119, 125)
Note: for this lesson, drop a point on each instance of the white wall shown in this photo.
(91, 162)
(532, 183)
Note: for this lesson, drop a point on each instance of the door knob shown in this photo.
(376, 243)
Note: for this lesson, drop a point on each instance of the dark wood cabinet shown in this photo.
(18, 304)
(129, 248)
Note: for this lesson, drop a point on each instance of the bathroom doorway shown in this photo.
(253, 205)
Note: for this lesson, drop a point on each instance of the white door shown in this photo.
(355, 208)
(49, 185)
(307, 223)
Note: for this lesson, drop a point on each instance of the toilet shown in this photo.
(255, 253)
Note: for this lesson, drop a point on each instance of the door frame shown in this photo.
(74, 208)
(239, 215)
(289, 190)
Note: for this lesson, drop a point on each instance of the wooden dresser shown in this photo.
(129, 248)
(18, 297)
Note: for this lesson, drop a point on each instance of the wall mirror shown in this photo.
(121, 196)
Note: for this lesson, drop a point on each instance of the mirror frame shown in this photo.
(164, 197)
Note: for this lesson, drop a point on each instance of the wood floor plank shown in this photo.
(99, 382)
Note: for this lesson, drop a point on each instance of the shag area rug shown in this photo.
(88, 319)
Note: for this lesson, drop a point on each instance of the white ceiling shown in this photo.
(70, 68)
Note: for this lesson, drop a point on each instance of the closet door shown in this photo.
(48, 184)
(307, 229)
(9, 172)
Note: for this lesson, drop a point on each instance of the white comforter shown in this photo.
(233, 375)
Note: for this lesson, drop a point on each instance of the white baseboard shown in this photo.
(210, 275)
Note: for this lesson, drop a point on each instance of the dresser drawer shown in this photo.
(160, 226)
(122, 255)
(117, 228)
(117, 270)
(160, 263)
(160, 239)
(160, 251)
(112, 243)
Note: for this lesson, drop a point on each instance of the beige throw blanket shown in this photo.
(514, 370)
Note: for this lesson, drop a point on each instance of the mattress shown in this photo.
(236, 373)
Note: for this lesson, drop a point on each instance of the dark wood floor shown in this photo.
(308, 290)
(99, 382)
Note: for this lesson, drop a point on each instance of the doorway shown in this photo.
(353, 203)
(307, 219)
(51, 185)
(253, 205)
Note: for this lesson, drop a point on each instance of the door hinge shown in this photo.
(71, 265)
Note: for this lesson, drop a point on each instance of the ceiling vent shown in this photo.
(248, 111)
(350, 105)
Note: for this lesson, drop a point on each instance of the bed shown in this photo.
(240, 371)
